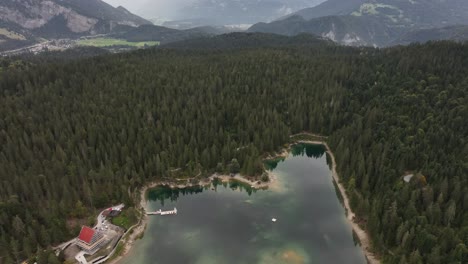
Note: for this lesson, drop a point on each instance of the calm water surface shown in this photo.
(232, 224)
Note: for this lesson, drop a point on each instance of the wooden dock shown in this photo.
(160, 212)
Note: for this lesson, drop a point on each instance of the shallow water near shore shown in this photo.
(232, 223)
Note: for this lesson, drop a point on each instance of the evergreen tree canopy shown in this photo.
(87, 133)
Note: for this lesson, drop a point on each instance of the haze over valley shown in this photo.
(215, 12)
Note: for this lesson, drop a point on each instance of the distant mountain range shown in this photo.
(26, 21)
(371, 22)
(192, 13)
(223, 12)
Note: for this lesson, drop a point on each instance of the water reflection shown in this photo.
(308, 150)
(167, 193)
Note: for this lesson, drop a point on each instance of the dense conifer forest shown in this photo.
(84, 134)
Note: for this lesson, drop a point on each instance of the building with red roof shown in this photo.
(90, 240)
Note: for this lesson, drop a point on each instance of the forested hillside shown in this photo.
(87, 133)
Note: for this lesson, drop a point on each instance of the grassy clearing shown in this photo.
(108, 42)
(11, 35)
(121, 221)
(126, 219)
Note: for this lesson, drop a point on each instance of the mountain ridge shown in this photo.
(369, 22)
(246, 40)
(34, 20)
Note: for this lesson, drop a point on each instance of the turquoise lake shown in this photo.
(233, 224)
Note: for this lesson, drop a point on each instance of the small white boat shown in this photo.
(273, 220)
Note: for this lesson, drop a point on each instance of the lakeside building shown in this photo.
(90, 240)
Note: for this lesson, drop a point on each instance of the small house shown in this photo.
(90, 240)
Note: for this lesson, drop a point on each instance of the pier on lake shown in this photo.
(160, 212)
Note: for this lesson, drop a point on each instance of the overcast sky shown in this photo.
(151, 8)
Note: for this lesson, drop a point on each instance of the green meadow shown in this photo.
(107, 42)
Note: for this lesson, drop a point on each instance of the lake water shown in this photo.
(232, 224)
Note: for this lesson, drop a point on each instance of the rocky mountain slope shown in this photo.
(26, 21)
(329, 8)
(369, 22)
(347, 30)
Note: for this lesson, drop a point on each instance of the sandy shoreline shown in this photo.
(272, 183)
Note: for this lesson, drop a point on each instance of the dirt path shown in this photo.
(362, 235)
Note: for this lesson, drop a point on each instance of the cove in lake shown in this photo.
(232, 223)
